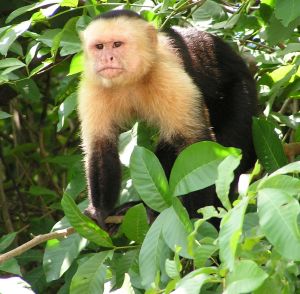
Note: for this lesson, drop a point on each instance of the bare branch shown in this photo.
(36, 241)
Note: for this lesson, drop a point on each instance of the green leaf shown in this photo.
(41, 191)
(193, 282)
(284, 183)
(65, 109)
(59, 255)
(6, 240)
(11, 62)
(153, 253)
(25, 9)
(12, 34)
(4, 115)
(90, 275)
(135, 223)
(48, 37)
(267, 145)
(196, 167)
(11, 266)
(182, 214)
(28, 90)
(230, 232)
(172, 269)
(293, 167)
(69, 3)
(122, 263)
(76, 65)
(83, 225)
(287, 11)
(276, 32)
(278, 213)
(32, 51)
(174, 232)
(245, 278)
(225, 178)
(202, 253)
(149, 179)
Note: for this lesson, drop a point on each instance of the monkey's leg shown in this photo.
(104, 179)
(166, 153)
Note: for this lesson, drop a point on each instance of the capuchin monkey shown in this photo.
(189, 84)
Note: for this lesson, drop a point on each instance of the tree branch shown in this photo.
(36, 241)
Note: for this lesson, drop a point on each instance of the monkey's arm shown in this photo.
(104, 179)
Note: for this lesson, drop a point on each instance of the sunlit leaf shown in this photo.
(84, 225)
(90, 275)
(230, 233)
(278, 213)
(246, 277)
(196, 167)
(135, 223)
(149, 179)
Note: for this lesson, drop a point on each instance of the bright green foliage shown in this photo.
(135, 225)
(84, 225)
(257, 248)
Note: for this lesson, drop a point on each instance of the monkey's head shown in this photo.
(119, 48)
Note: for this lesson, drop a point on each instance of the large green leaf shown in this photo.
(196, 167)
(122, 263)
(287, 11)
(90, 275)
(135, 223)
(284, 183)
(175, 233)
(230, 232)
(154, 252)
(267, 145)
(225, 178)
(12, 34)
(10, 266)
(59, 255)
(83, 225)
(193, 282)
(149, 179)
(6, 240)
(293, 167)
(278, 213)
(245, 278)
(26, 8)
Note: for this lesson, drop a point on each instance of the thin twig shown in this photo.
(36, 241)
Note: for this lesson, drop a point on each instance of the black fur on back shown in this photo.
(226, 84)
(118, 13)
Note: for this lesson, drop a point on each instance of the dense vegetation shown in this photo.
(257, 249)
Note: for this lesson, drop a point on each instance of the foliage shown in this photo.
(257, 248)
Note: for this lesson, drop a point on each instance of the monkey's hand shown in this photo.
(97, 215)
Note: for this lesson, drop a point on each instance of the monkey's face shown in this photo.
(119, 51)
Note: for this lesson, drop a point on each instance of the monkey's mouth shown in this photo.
(110, 72)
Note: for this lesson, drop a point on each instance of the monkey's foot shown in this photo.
(96, 215)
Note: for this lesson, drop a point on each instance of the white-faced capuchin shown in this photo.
(188, 83)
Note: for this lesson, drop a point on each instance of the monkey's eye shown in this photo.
(117, 44)
(99, 46)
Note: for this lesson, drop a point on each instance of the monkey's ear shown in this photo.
(152, 33)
